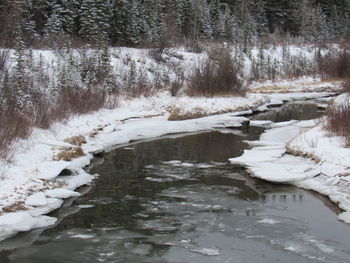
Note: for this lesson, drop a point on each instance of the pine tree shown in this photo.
(54, 25)
(204, 23)
(186, 17)
(95, 16)
(27, 24)
(134, 23)
(119, 22)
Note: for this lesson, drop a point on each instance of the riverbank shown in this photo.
(303, 154)
(48, 167)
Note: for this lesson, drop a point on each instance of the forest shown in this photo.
(46, 23)
(57, 57)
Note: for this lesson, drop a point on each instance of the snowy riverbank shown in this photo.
(37, 179)
(302, 154)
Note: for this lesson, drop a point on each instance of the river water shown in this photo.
(177, 199)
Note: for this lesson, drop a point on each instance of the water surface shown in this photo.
(179, 200)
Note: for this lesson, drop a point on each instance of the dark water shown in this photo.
(179, 200)
(292, 111)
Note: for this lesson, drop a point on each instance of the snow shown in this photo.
(13, 223)
(30, 181)
(326, 171)
(37, 199)
(32, 177)
(268, 221)
(207, 251)
(50, 169)
(61, 193)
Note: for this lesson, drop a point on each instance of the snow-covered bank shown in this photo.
(35, 181)
(301, 154)
(33, 184)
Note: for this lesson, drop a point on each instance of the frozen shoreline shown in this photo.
(31, 183)
(300, 153)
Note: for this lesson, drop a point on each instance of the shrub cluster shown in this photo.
(216, 77)
(335, 64)
(338, 122)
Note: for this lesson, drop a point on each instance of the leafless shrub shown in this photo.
(4, 59)
(338, 121)
(14, 125)
(334, 64)
(193, 46)
(212, 78)
(79, 101)
(346, 85)
(157, 54)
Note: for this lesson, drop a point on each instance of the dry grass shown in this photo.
(301, 87)
(198, 112)
(19, 206)
(300, 153)
(338, 121)
(69, 153)
(76, 140)
(177, 115)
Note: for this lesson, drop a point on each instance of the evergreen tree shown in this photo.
(119, 22)
(27, 24)
(95, 16)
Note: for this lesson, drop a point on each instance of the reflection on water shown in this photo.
(178, 200)
(292, 111)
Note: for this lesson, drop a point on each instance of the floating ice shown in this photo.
(269, 221)
(207, 251)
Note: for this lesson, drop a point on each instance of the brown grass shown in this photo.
(177, 115)
(69, 153)
(76, 140)
(338, 121)
(302, 154)
(14, 207)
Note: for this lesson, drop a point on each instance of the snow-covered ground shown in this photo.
(40, 173)
(303, 154)
(32, 183)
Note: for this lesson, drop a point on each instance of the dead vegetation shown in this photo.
(69, 153)
(76, 140)
(337, 121)
(303, 154)
(334, 64)
(178, 115)
(314, 86)
(216, 77)
(19, 206)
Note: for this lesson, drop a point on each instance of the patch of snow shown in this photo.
(33, 167)
(37, 199)
(61, 193)
(50, 169)
(12, 223)
(329, 176)
(83, 236)
(207, 251)
(269, 221)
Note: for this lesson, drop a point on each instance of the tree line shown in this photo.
(150, 22)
